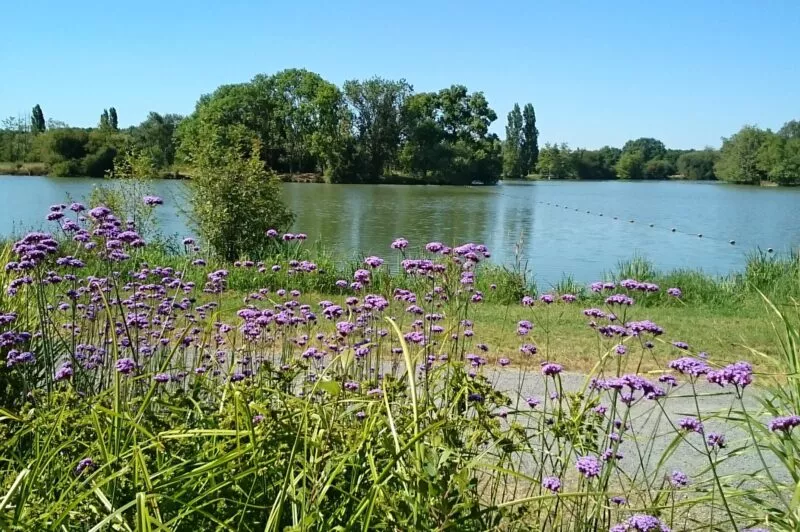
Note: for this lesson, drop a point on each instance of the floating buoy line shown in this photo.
(731, 241)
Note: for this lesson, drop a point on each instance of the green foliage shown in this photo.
(555, 162)
(658, 169)
(739, 157)
(649, 148)
(38, 124)
(631, 165)
(113, 120)
(698, 164)
(512, 147)
(156, 137)
(235, 200)
(595, 164)
(529, 152)
(376, 105)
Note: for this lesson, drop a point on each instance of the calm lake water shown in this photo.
(364, 219)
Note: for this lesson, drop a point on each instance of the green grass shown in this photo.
(11, 168)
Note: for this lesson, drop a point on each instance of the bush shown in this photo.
(68, 168)
(235, 199)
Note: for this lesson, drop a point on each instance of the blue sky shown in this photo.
(598, 72)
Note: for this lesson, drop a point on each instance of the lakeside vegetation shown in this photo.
(154, 388)
(378, 131)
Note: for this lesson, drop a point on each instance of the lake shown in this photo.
(547, 220)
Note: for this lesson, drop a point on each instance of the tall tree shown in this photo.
(155, 137)
(512, 147)
(38, 124)
(376, 104)
(739, 156)
(530, 140)
(104, 120)
(113, 121)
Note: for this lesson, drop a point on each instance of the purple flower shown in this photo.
(550, 369)
(272, 233)
(361, 276)
(689, 366)
(568, 298)
(86, 464)
(64, 371)
(152, 201)
(126, 366)
(620, 349)
(527, 301)
(551, 483)
(681, 345)
(678, 479)
(619, 299)
(618, 500)
(691, 424)
(399, 243)
(588, 466)
(641, 523)
(533, 402)
(547, 298)
(504, 362)
(373, 262)
(258, 418)
(528, 349)
(739, 374)
(784, 423)
(715, 441)
(594, 313)
(434, 247)
(674, 292)
(161, 378)
(77, 207)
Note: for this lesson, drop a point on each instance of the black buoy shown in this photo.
(632, 221)
(770, 250)
(673, 229)
(700, 235)
(615, 217)
(588, 212)
(601, 214)
(651, 225)
(732, 242)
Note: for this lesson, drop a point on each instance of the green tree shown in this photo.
(113, 121)
(698, 164)
(104, 120)
(631, 165)
(658, 169)
(512, 147)
(376, 106)
(155, 136)
(779, 159)
(595, 164)
(738, 160)
(790, 130)
(235, 200)
(423, 151)
(38, 124)
(530, 140)
(649, 148)
(556, 161)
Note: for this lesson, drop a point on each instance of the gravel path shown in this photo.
(652, 424)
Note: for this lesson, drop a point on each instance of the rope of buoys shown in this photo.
(731, 242)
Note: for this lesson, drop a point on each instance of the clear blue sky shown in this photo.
(598, 72)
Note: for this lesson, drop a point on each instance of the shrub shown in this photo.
(235, 200)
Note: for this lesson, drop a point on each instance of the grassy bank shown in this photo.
(23, 169)
(151, 388)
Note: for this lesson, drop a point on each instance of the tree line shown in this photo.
(380, 130)
(70, 151)
(751, 156)
(366, 131)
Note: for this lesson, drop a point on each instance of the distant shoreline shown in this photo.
(40, 169)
